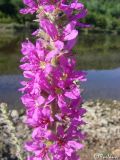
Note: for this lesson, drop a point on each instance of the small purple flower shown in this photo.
(39, 149)
(31, 7)
(63, 144)
(41, 117)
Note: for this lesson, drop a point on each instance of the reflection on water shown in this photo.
(10, 53)
(93, 52)
(98, 51)
(98, 54)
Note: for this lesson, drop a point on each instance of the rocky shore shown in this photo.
(102, 129)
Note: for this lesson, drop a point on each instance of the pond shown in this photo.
(97, 54)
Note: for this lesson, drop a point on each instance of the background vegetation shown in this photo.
(103, 14)
(9, 12)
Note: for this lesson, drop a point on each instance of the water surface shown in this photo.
(98, 54)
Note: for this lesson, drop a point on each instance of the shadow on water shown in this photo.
(98, 54)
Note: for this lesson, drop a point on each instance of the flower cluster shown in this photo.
(52, 96)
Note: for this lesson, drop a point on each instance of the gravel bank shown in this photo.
(102, 129)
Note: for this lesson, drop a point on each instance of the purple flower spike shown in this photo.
(52, 95)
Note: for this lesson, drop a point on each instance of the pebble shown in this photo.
(14, 114)
(116, 152)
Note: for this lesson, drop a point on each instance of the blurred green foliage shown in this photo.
(9, 12)
(103, 14)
